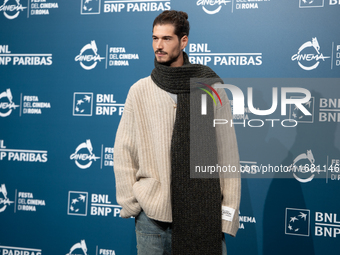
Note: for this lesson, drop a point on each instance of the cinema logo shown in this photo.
(37, 156)
(309, 55)
(303, 167)
(105, 104)
(78, 248)
(24, 59)
(88, 57)
(11, 10)
(8, 250)
(6, 103)
(28, 103)
(199, 53)
(100, 204)
(4, 200)
(212, 6)
(81, 248)
(83, 155)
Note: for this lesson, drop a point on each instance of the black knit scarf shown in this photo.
(196, 202)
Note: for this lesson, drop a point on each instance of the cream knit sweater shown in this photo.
(142, 163)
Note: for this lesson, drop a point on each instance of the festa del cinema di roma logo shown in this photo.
(84, 57)
(212, 3)
(4, 200)
(11, 11)
(77, 247)
(7, 106)
(78, 157)
(312, 55)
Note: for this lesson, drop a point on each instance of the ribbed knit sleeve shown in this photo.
(228, 155)
(142, 152)
(126, 161)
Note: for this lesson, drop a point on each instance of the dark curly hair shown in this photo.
(178, 19)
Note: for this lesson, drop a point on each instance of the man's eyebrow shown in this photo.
(163, 37)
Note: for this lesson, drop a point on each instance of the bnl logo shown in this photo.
(204, 97)
(82, 103)
(77, 203)
(90, 7)
(297, 222)
(311, 3)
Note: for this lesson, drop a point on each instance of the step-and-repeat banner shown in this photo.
(66, 68)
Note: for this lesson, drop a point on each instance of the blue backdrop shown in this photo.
(66, 68)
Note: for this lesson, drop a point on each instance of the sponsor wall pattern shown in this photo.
(66, 68)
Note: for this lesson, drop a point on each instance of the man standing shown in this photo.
(174, 213)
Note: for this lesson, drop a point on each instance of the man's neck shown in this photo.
(179, 61)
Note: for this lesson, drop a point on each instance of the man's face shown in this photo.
(166, 45)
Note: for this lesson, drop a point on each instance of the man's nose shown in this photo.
(160, 44)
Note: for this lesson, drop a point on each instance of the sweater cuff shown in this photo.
(231, 227)
(131, 210)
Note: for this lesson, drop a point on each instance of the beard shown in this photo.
(170, 61)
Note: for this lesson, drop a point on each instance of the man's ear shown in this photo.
(184, 42)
